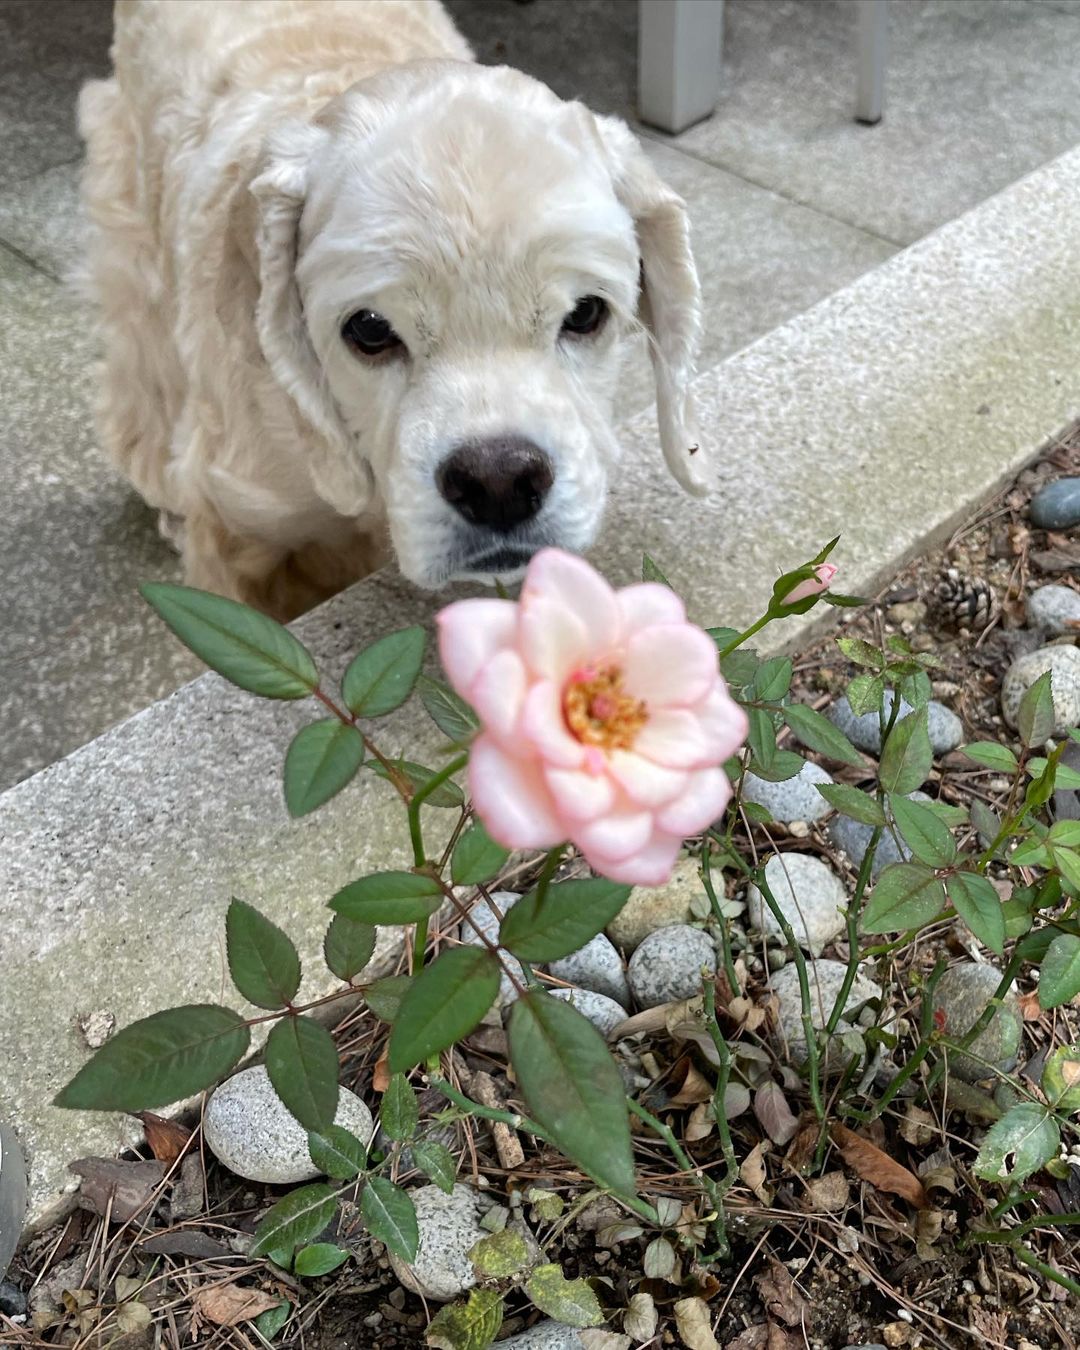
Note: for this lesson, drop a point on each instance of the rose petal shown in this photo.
(648, 604)
(644, 781)
(512, 798)
(570, 583)
(553, 639)
(580, 796)
(544, 727)
(498, 696)
(724, 724)
(650, 866)
(675, 738)
(670, 665)
(470, 633)
(700, 803)
(617, 833)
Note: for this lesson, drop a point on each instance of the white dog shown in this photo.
(356, 290)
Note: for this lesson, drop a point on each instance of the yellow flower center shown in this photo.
(600, 712)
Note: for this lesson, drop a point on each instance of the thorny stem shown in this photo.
(927, 1039)
(723, 1128)
(721, 922)
(687, 1164)
(419, 797)
(393, 773)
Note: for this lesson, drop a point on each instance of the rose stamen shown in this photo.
(599, 712)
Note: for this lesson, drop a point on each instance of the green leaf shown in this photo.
(322, 759)
(450, 713)
(319, 1259)
(436, 1162)
(477, 857)
(296, 1218)
(1028, 1134)
(389, 1215)
(1065, 833)
(400, 1114)
(572, 1087)
(269, 1323)
(862, 653)
(761, 737)
(1018, 920)
(907, 758)
(388, 897)
(785, 764)
(442, 1004)
(263, 962)
(348, 946)
(947, 813)
(501, 1255)
(985, 821)
(302, 1062)
(1061, 1078)
(1059, 979)
(650, 572)
(740, 666)
(819, 734)
(773, 679)
(253, 651)
(1032, 852)
(446, 794)
(979, 905)
(337, 1153)
(159, 1060)
(1068, 864)
(927, 836)
(849, 801)
(993, 756)
(467, 1326)
(384, 996)
(866, 693)
(569, 1301)
(906, 895)
(382, 676)
(562, 921)
(1034, 947)
(723, 637)
(1035, 718)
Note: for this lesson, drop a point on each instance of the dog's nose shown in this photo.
(501, 482)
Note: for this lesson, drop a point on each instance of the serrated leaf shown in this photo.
(571, 1302)
(1028, 1134)
(927, 836)
(159, 1060)
(477, 857)
(572, 1087)
(269, 1323)
(445, 795)
(436, 1162)
(819, 734)
(849, 801)
(384, 996)
(296, 1218)
(500, 1255)
(761, 737)
(1035, 718)
(739, 666)
(723, 637)
(1059, 977)
(906, 895)
(1067, 863)
(450, 713)
(1066, 833)
(467, 1326)
(389, 1215)
(442, 1004)
(947, 813)
(979, 905)
(785, 764)
(993, 756)
(388, 897)
(650, 572)
(348, 946)
(302, 1062)
(263, 962)
(319, 1259)
(563, 920)
(1061, 1078)
(400, 1114)
(246, 647)
(862, 653)
(907, 758)
(773, 679)
(322, 758)
(866, 693)
(337, 1153)
(381, 677)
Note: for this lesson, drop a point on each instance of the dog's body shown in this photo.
(344, 280)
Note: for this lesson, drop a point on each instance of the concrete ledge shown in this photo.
(886, 413)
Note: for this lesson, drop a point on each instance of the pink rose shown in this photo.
(812, 585)
(604, 717)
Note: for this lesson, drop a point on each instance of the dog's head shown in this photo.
(452, 261)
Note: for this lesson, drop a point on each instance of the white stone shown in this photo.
(943, 727)
(1064, 666)
(545, 1336)
(668, 965)
(603, 1012)
(825, 979)
(794, 799)
(449, 1228)
(1054, 609)
(809, 893)
(596, 966)
(651, 908)
(249, 1130)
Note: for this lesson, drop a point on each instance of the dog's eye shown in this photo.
(369, 333)
(586, 317)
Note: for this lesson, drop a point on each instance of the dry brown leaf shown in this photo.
(896, 1333)
(918, 1126)
(380, 1078)
(596, 1338)
(1030, 1009)
(695, 1086)
(928, 1228)
(876, 1167)
(700, 1123)
(639, 1320)
(753, 1338)
(774, 1115)
(125, 1186)
(694, 1322)
(189, 1191)
(752, 1172)
(938, 1173)
(167, 1138)
(782, 1300)
(992, 1323)
(185, 1242)
(226, 1305)
(827, 1195)
(803, 1148)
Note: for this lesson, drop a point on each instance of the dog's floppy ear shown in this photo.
(670, 295)
(280, 188)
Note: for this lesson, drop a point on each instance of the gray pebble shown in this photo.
(1057, 505)
(825, 979)
(853, 838)
(1064, 665)
(650, 908)
(449, 1228)
(12, 1300)
(863, 731)
(960, 997)
(483, 915)
(545, 1336)
(249, 1130)
(603, 1012)
(943, 727)
(794, 799)
(596, 966)
(1053, 608)
(668, 964)
(810, 895)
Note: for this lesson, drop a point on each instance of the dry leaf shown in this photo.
(167, 1138)
(596, 1338)
(803, 1148)
(188, 1193)
(991, 1323)
(876, 1167)
(774, 1114)
(918, 1126)
(928, 1227)
(125, 1186)
(847, 1240)
(226, 1305)
(938, 1173)
(752, 1172)
(753, 1338)
(639, 1320)
(826, 1195)
(685, 1021)
(700, 1124)
(695, 1087)
(186, 1242)
(778, 1293)
(695, 1324)
(133, 1316)
(896, 1333)
(1030, 1009)
(380, 1079)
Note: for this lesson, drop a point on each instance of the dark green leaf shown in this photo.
(849, 801)
(302, 1062)
(784, 764)
(993, 756)
(740, 666)
(446, 794)
(1035, 718)
(979, 905)
(159, 1060)
(477, 857)
(322, 759)
(761, 736)
(400, 1114)
(773, 679)
(1068, 864)
(1032, 852)
(723, 637)
(1065, 833)
(450, 713)
(296, 1218)
(269, 1323)
(442, 1004)
(263, 962)
(388, 897)
(1059, 980)
(253, 651)
(384, 996)
(916, 688)
(947, 813)
(382, 676)
(337, 1153)
(1034, 947)
(436, 1162)
(906, 895)
(819, 734)
(927, 837)
(348, 946)
(1018, 920)
(571, 1302)
(319, 1259)
(572, 1087)
(1028, 1134)
(389, 1215)
(562, 922)
(761, 815)
(862, 653)
(650, 572)
(985, 821)
(866, 693)
(907, 758)
(467, 1326)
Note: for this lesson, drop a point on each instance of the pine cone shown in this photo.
(965, 602)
